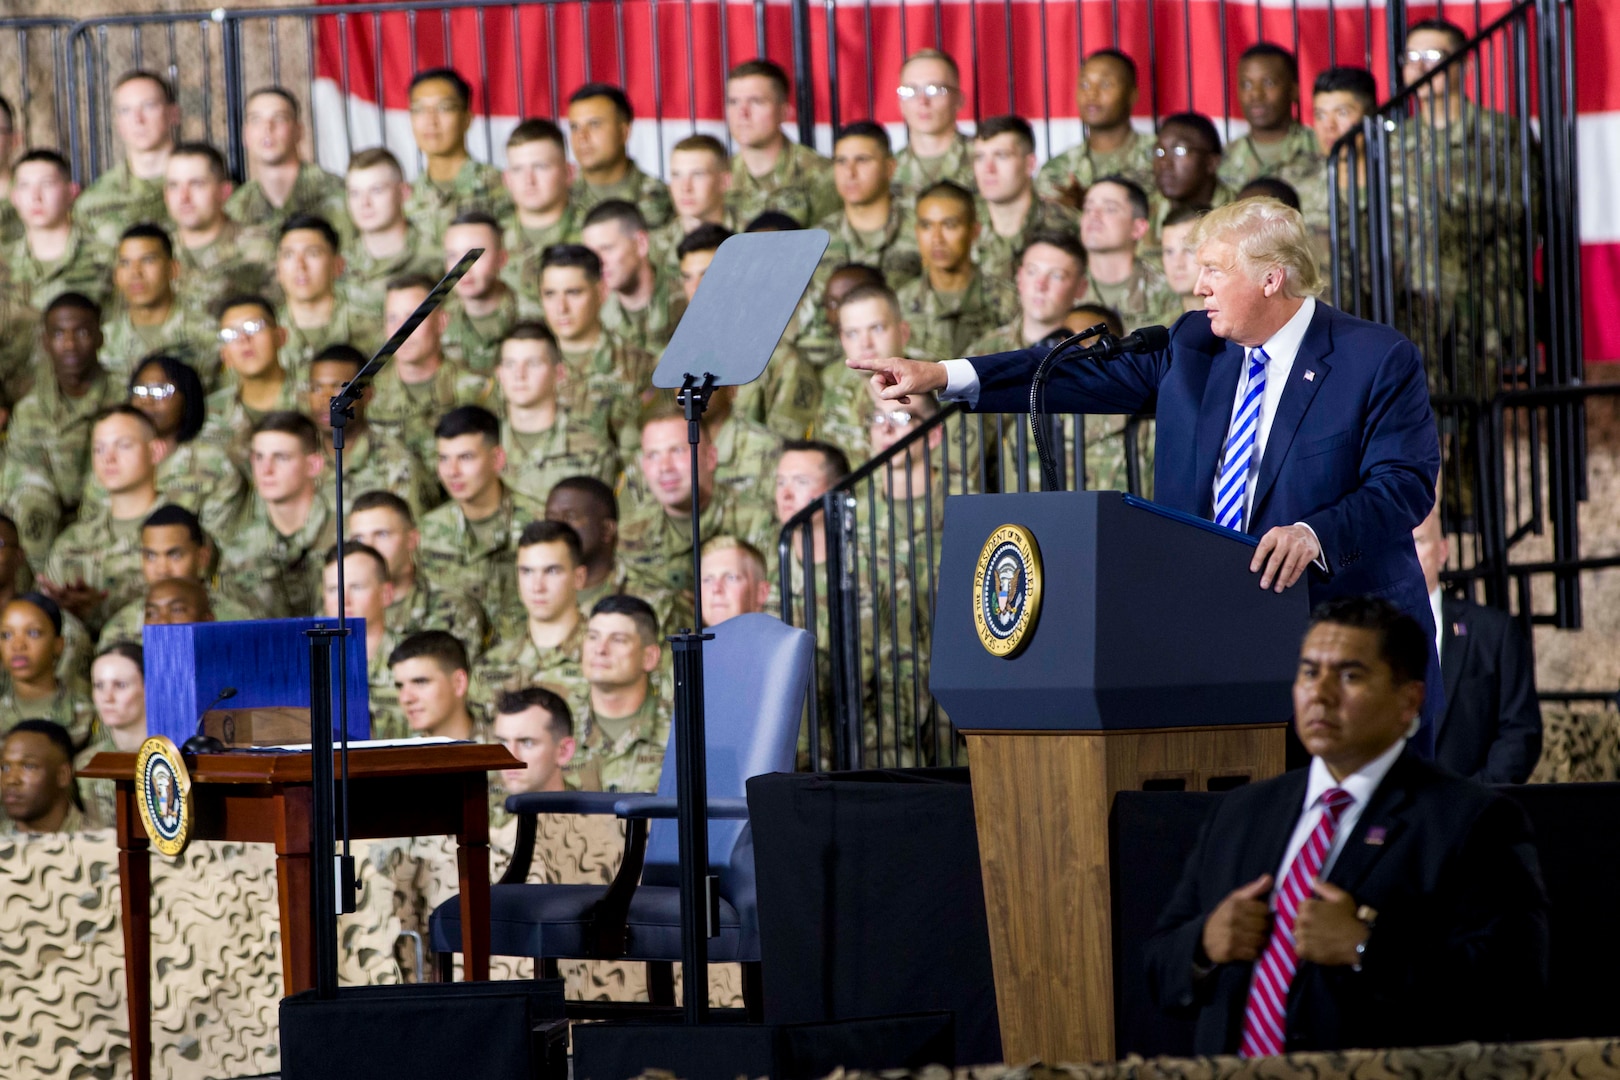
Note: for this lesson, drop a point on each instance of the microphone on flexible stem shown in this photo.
(201, 743)
(1105, 347)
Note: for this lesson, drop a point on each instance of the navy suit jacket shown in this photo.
(1491, 728)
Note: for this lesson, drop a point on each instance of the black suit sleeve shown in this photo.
(1176, 947)
(1128, 384)
(1517, 747)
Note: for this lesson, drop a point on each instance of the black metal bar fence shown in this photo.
(34, 84)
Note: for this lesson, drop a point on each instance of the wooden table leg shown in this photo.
(472, 862)
(292, 889)
(135, 881)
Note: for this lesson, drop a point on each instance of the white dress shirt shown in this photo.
(1439, 625)
(1360, 786)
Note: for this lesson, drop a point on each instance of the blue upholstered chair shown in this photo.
(756, 673)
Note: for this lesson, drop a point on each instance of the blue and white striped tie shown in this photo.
(1237, 458)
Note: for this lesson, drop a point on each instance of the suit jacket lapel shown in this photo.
(1453, 651)
(1270, 840)
(1214, 417)
(1294, 403)
(1357, 857)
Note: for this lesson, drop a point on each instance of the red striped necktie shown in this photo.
(1266, 1015)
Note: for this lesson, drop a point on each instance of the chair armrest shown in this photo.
(717, 809)
(566, 802)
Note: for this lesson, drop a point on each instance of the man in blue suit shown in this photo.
(1276, 415)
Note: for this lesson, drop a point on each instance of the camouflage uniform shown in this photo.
(663, 241)
(787, 398)
(240, 261)
(651, 327)
(105, 553)
(315, 191)
(188, 333)
(747, 468)
(799, 185)
(276, 576)
(33, 503)
(892, 250)
(100, 796)
(128, 622)
(85, 267)
(50, 433)
(646, 193)
(657, 548)
(1144, 298)
(366, 276)
(11, 226)
(847, 406)
(408, 413)
(477, 558)
(1244, 159)
(433, 206)
(475, 342)
(19, 330)
(373, 461)
(115, 201)
(515, 661)
(1082, 166)
(913, 173)
(605, 388)
(1159, 208)
(633, 761)
(524, 248)
(387, 721)
(428, 607)
(230, 422)
(994, 254)
(535, 462)
(70, 706)
(352, 323)
(942, 325)
(197, 475)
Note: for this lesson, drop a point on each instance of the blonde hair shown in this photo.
(1267, 234)
(752, 554)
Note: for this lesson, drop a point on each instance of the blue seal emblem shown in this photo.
(1008, 590)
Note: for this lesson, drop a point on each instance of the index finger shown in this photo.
(864, 364)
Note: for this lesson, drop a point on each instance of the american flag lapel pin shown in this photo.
(1376, 835)
(1459, 629)
(1310, 374)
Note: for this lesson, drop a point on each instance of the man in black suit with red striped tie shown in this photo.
(1369, 900)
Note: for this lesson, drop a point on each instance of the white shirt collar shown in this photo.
(1360, 784)
(1284, 345)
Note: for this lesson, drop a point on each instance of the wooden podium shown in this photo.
(436, 789)
(1155, 662)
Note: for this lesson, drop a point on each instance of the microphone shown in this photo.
(1105, 347)
(1147, 339)
(200, 743)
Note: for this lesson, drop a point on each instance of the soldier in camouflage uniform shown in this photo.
(1105, 93)
(607, 378)
(452, 182)
(599, 120)
(624, 728)
(1277, 144)
(145, 116)
(431, 677)
(871, 327)
(19, 330)
(382, 520)
(699, 176)
(537, 181)
(372, 460)
(590, 508)
(746, 457)
(770, 171)
(282, 186)
(271, 555)
(251, 340)
(1186, 172)
(952, 303)
(10, 139)
(317, 313)
(420, 385)
(1011, 211)
(151, 317)
(386, 243)
(537, 727)
(544, 442)
(367, 594)
(874, 227)
(483, 308)
(468, 543)
(30, 502)
(172, 547)
(930, 97)
(55, 255)
(543, 646)
(815, 325)
(31, 641)
(50, 430)
(644, 300)
(217, 256)
(1113, 223)
(1180, 259)
(52, 809)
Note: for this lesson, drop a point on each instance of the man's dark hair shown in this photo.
(187, 383)
(774, 221)
(706, 237)
(619, 211)
(288, 422)
(1067, 243)
(1198, 124)
(592, 487)
(558, 716)
(209, 153)
(145, 230)
(1105, 314)
(58, 737)
(310, 223)
(765, 69)
(401, 282)
(1270, 187)
(1008, 125)
(833, 459)
(577, 256)
(950, 189)
(1270, 51)
(253, 300)
(1137, 197)
(355, 547)
(49, 157)
(340, 352)
(621, 103)
(537, 129)
(639, 611)
(75, 300)
(479, 217)
(1183, 215)
(1402, 644)
(469, 420)
(276, 91)
(1356, 81)
(865, 129)
(440, 646)
(384, 500)
(1115, 54)
(531, 330)
(546, 531)
(1458, 36)
(150, 76)
(7, 111)
(449, 75)
(169, 514)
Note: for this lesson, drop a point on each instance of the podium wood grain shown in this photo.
(1041, 801)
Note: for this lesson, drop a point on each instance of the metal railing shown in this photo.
(32, 80)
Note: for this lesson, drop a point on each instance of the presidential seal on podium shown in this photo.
(163, 793)
(1007, 581)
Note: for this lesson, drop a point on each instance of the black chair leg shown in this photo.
(444, 967)
(546, 968)
(660, 982)
(753, 991)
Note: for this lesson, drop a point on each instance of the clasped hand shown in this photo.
(1326, 930)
